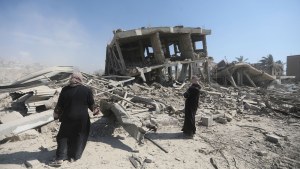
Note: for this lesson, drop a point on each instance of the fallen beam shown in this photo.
(137, 99)
(155, 143)
(128, 123)
(29, 122)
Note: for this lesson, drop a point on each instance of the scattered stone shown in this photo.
(262, 153)
(121, 137)
(33, 164)
(43, 148)
(135, 149)
(222, 120)
(207, 121)
(228, 117)
(149, 159)
(272, 138)
(177, 159)
(133, 162)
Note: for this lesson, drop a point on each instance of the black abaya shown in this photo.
(74, 130)
(191, 106)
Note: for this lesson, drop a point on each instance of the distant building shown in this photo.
(293, 66)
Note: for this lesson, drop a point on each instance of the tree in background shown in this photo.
(241, 59)
(270, 66)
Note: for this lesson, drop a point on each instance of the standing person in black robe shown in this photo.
(191, 105)
(72, 111)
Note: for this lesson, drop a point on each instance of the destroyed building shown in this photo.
(239, 125)
(237, 74)
(158, 53)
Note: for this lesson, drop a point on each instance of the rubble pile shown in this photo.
(139, 108)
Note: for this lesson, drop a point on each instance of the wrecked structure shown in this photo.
(158, 53)
(238, 74)
(152, 110)
(141, 107)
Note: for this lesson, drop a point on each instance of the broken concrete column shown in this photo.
(204, 45)
(186, 46)
(122, 62)
(176, 72)
(230, 78)
(157, 48)
(128, 123)
(186, 49)
(250, 80)
(170, 72)
(239, 78)
(184, 70)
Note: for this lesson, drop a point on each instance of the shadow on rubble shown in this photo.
(166, 136)
(102, 131)
(22, 156)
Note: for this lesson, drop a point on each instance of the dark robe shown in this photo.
(72, 105)
(190, 109)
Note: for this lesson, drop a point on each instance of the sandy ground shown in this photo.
(238, 144)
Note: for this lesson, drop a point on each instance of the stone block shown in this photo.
(272, 138)
(207, 121)
(222, 120)
(149, 159)
(262, 153)
(229, 118)
(33, 164)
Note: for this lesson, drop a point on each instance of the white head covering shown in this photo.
(194, 80)
(75, 79)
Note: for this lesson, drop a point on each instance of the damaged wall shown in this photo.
(157, 53)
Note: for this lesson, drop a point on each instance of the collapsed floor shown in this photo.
(243, 127)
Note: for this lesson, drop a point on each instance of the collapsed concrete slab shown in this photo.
(7, 116)
(43, 77)
(239, 74)
(29, 122)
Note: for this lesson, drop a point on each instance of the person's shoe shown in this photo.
(71, 160)
(56, 163)
(188, 135)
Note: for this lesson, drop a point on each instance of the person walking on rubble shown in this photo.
(191, 105)
(72, 111)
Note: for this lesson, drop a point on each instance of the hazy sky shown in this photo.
(73, 32)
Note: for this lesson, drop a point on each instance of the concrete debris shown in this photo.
(132, 102)
(142, 91)
(7, 116)
(29, 122)
(272, 138)
(207, 121)
(262, 153)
